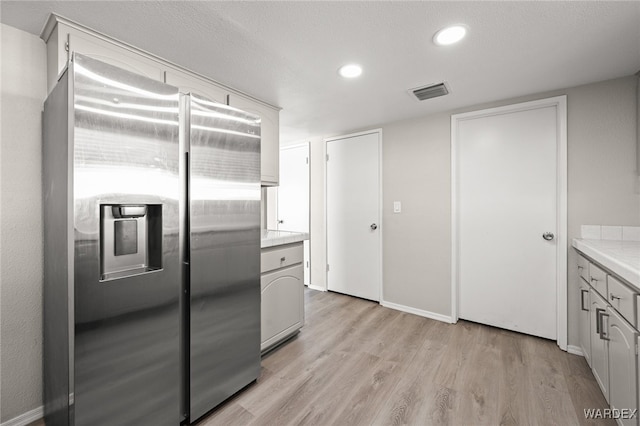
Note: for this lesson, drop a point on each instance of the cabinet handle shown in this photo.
(598, 312)
(594, 279)
(582, 292)
(282, 259)
(613, 296)
(603, 335)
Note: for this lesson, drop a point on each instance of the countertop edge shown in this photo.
(278, 238)
(609, 262)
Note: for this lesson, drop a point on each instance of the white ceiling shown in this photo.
(288, 53)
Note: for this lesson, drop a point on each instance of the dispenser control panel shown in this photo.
(130, 239)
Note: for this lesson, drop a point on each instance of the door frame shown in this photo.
(560, 103)
(326, 215)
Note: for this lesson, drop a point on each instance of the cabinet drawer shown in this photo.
(280, 257)
(623, 299)
(583, 268)
(598, 280)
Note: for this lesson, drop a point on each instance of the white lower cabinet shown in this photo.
(282, 294)
(613, 337)
(599, 345)
(623, 394)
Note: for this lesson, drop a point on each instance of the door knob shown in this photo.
(281, 221)
(374, 226)
(548, 236)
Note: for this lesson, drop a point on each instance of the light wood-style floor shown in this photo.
(358, 363)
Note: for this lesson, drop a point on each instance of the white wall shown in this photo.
(416, 170)
(23, 87)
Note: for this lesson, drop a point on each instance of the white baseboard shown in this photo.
(574, 350)
(420, 312)
(25, 418)
(315, 287)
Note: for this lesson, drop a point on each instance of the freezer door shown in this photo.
(126, 189)
(224, 212)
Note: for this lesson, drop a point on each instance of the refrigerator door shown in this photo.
(224, 216)
(126, 191)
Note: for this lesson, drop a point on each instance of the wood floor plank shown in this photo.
(477, 403)
(459, 349)
(374, 390)
(414, 389)
(328, 402)
(551, 398)
(514, 400)
(297, 398)
(232, 414)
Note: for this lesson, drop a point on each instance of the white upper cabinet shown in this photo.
(189, 83)
(269, 139)
(64, 37)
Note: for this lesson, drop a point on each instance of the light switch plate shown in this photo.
(397, 207)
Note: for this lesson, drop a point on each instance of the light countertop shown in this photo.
(620, 257)
(276, 238)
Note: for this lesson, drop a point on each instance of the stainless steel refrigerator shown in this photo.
(152, 250)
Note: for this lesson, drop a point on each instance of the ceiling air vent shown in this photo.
(430, 91)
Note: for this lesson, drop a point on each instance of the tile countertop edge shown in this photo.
(277, 238)
(609, 261)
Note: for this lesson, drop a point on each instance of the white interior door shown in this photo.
(292, 196)
(293, 191)
(353, 215)
(507, 199)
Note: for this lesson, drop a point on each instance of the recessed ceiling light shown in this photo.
(450, 35)
(350, 71)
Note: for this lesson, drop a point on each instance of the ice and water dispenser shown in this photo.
(130, 239)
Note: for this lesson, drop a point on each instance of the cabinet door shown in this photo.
(599, 346)
(622, 365)
(110, 53)
(584, 321)
(270, 136)
(188, 83)
(282, 304)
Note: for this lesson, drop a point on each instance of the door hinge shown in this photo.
(66, 46)
(327, 267)
(636, 349)
(307, 263)
(327, 157)
(307, 160)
